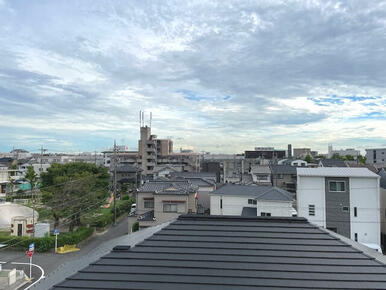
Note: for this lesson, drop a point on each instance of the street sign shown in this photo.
(29, 253)
(31, 247)
(56, 231)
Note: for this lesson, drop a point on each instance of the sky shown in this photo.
(218, 76)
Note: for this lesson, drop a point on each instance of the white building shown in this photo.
(344, 200)
(376, 157)
(343, 152)
(251, 200)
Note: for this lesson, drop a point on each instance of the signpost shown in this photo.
(56, 233)
(30, 252)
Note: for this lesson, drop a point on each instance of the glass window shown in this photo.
(265, 214)
(149, 203)
(252, 201)
(170, 207)
(345, 208)
(311, 209)
(337, 186)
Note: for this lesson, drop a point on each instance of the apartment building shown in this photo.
(376, 157)
(343, 200)
(343, 152)
(302, 152)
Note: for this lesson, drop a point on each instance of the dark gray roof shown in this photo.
(206, 175)
(260, 192)
(283, 169)
(147, 216)
(333, 163)
(382, 174)
(169, 187)
(201, 182)
(249, 211)
(228, 252)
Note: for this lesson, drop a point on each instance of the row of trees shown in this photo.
(361, 159)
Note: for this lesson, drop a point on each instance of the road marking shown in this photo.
(40, 268)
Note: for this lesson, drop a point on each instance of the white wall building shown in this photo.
(251, 200)
(343, 152)
(344, 200)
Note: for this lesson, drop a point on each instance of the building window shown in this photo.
(252, 201)
(221, 203)
(265, 214)
(356, 237)
(355, 211)
(337, 186)
(345, 208)
(148, 203)
(311, 209)
(170, 207)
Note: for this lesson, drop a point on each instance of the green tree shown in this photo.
(308, 159)
(73, 189)
(362, 159)
(337, 156)
(349, 157)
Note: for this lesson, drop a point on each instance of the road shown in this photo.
(50, 261)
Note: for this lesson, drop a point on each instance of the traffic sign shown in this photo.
(29, 253)
(56, 231)
(31, 247)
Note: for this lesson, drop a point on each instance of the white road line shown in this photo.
(41, 269)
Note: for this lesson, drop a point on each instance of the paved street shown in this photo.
(50, 261)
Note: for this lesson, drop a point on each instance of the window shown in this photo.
(148, 203)
(252, 201)
(355, 211)
(265, 214)
(356, 237)
(220, 203)
(345, 209)
(311, 209)
(170, 207)
(337, 186)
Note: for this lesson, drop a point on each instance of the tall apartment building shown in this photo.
(376, 157)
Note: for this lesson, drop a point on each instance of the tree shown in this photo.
(337, 156)
(362, 159)
(349, 157)
(308, 159)
(74, 188)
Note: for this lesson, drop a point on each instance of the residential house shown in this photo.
(284, 176)
(302, 152)
(161, 201)
(251, 200)
(343, 200)
(129, 175)
(206, 183)
(228, 253)
(261, 175)
(332, 163)
(165, 170)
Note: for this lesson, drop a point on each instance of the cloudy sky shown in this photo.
(219, 76)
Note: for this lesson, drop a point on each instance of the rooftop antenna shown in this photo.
(151, 116)
(140, 122)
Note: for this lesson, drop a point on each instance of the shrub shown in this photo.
(135, 227)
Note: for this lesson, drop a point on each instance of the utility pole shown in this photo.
(115, 183)
(42, 150)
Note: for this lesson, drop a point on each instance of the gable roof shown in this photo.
(283, 169)
(228, 252)
(333, 163)
(168, 187)
(260, 192)
(159, 168)
(206, 175)
(336, 172)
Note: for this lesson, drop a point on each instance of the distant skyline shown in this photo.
(222, 77)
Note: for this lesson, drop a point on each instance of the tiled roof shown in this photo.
(206, 175)
(169, 187)
(283, 169)
(260, 192)
(336, 172)
(227, 252)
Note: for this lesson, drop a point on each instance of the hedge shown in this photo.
(47, 243)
